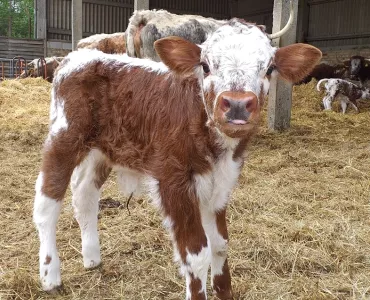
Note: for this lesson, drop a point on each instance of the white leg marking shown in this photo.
(218, 244)
(85, 201)
(45, 216)
(196, 265)
(327, 102)
(354, 106)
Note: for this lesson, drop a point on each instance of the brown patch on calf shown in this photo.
(102, 171)
(221, 284)
(240, 148)
(59, 161)
(195, 289)
(111, 44)
(137, 40)
(221, 223)
(47, 260)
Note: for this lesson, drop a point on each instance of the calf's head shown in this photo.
(234, 67)
(356, 64)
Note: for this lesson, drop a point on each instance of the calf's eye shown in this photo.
(269, 70)
(205, 67)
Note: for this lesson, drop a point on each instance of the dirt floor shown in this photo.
(299, 220)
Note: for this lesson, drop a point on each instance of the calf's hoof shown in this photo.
(223, 294)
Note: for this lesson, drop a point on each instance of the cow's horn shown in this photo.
(287, 26)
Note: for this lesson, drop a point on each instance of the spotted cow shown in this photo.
(346, 91)
(147, 26)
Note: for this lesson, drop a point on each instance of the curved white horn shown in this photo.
(287, 26)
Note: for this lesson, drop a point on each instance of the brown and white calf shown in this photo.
(114, 43)
(177, 128)
(35, 68)
(346, 91)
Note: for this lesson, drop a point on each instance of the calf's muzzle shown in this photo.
(237, 107)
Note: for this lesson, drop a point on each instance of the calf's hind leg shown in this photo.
(59, 160)
(87, 179)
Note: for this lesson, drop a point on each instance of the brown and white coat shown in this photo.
(177, 129)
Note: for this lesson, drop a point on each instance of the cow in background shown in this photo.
(114, 43)
(346, 91)
(147, 26)
(37, 68)
(180, 128)
(359, 68)
(326, 70)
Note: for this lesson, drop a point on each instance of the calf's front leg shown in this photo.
(191, 246)
(216, 229)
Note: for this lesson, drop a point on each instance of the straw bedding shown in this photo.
(298, 221)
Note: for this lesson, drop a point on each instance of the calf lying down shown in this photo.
(346, 91)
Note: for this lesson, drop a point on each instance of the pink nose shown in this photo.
(249, 103)
(237, 106)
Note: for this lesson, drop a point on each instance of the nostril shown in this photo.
(225, 104)
(251, 104)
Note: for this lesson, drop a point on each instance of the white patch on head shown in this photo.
(355, 65)
(366, 94)
(76, 61)
(45, 216)
(238, 56)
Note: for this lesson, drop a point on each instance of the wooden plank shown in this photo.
(106, 3)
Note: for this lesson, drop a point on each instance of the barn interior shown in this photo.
(298, 219)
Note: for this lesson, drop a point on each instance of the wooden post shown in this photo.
(40, 19)
(302, 26)
(10, 21)
(280, 94)
(141, 4)
(76, 22)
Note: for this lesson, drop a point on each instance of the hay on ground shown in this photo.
(298, 220)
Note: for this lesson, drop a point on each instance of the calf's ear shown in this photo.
(296, 61)
(180, 55)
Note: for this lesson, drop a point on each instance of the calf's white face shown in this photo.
(234, 67)
(238, 57)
